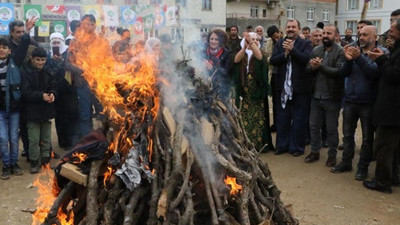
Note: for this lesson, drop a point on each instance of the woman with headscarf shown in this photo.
(218, 63)
(251, 84)
(67, 101)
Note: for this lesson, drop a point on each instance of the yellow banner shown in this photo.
(44, 29)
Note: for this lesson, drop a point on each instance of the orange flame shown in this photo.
(127, 91)
(78, 157)
(48, 191)
(235, 187)
(107, 174)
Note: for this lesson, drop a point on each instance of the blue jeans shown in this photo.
(9, 123)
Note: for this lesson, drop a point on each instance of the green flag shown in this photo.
(148, 22)
(33, 11)
(60, 27)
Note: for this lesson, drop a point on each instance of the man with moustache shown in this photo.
(234, 41)
(306, 32)
(260, 32)
(327, 93)
(385, 40)
(348, 36)
(291, 56)
(316, 37)
(386, 116)
(360, 94)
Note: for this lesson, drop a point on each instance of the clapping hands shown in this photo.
(48, 97)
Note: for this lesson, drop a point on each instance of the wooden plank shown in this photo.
(72, 172)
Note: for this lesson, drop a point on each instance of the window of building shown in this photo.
(377, 24)
(206, 5)
(352, 4)
(290, 12)
(351, 24)
(264, 13)
(375, 4)
(310, 14)
(254, 11)
(325, 15)
(177, 34)
(131, 2)
(155, 1)
(206, 30)
(181, 2)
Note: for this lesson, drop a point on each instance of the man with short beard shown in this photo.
(360, 94)
(327, 93)
(234, 41)
(290, 56)
(385, 40)
(348, 38)
(386, 116)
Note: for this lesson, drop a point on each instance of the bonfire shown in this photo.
(169, 152)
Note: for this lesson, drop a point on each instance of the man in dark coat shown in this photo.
(290, 56)
(38, 93)
(386, 116)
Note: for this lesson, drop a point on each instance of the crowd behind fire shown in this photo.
(311, 74)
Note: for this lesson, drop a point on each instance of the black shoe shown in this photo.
(341, 167)
(340, 147)
(373, 185)
(23, 154)
(312, 157)
(6, 173)
(45, 160)
(16, 170)
(55, 155)
(324, 143)
(35, 167)
(331, 161)
(361, 174)
(297, 154)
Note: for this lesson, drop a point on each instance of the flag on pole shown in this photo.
(172, 16)
(148, 22)
(138, 26)
(44, 29)
(31, 11)
(57, 9)
(60, 27)
(111, 15)
(6, 12)
(4, 28)
(128, 16)
(159, 20)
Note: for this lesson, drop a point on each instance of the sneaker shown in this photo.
(16, 170)
(35, 167)
(6, 173)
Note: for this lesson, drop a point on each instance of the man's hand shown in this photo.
(46, 97)
(390, 42)
(52, 98)
(30, 23)
(375, 53)
(355, 52)
(288, 46)
(207, 65)
(315, 63)
(347, 53)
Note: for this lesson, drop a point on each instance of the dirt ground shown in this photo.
(317, 196)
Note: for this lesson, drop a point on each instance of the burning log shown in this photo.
(192, 163)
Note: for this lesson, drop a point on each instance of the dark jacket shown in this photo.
(300, 55)
(362, 82)
(34, 83)
(387, 104)
(12, 98)
(67, 101)
(330, 69)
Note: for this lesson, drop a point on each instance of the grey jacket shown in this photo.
(330, 70)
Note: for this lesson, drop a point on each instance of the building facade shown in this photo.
(310, 12)
(378, 12)
(253, 12)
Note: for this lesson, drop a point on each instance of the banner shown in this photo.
(159, 20)
(138, 26)
(73, 13)
(172, 16)
(4, 28)
(60, 27)
(94, 10)
(6, 12)
(57, 9)
(31, 11)
(44, 29)
(128, 16)
(111, 15)
(148, 22)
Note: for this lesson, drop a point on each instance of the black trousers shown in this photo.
(387, 148)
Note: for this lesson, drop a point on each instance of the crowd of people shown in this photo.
(310, 74)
